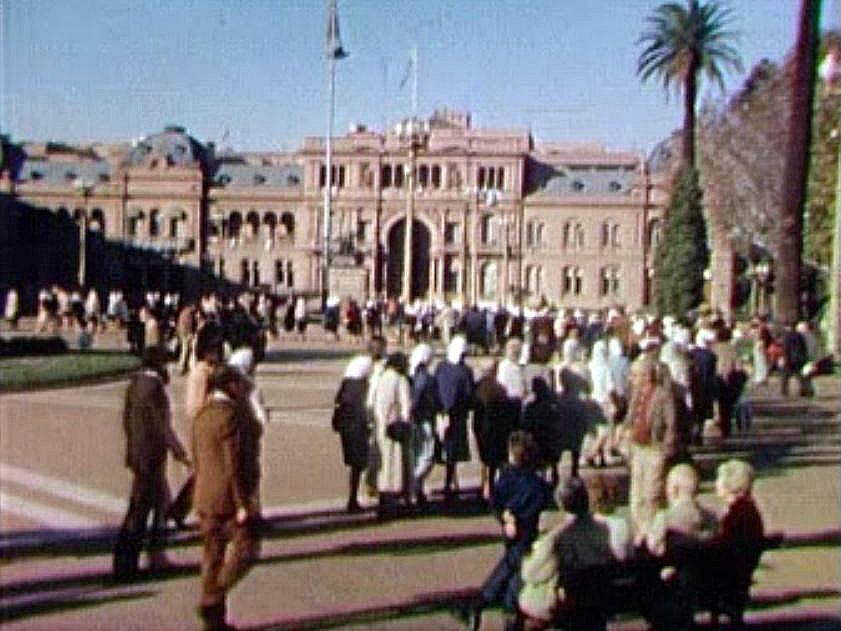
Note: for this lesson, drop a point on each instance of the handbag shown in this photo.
(399, 430)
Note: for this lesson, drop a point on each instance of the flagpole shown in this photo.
(415, 81)
(328, 184)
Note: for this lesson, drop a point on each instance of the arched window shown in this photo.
(154, 223)
(253, 224)
(500, 179)
(278, 272)
(287, 219)
(567, 234)
(269, 228)
(487, 229)
(385, 176)
(244, 271)
(573, 280)
(135, 221)
(540, 235)
(605, 234)
(398, 176)
(423, 176)
(97, 222)
(610, 281)
(234, 226)
(452, 271)
(615, 235)
(436, 176)
(578, 236)
(489, 280)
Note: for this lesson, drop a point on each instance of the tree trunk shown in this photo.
(790, 241)
(689, 96)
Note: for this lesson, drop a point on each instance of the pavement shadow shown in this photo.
(54, 603)
(421, 605)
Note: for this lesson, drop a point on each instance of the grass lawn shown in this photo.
(25, 373)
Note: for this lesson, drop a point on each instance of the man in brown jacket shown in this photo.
(222, 500)
(654, 437)
(149, 435)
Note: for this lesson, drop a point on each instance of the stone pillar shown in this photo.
(722, 270)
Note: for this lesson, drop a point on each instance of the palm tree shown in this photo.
(682, 42)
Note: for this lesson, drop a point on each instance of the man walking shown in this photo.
(149, 435)
(226, 509)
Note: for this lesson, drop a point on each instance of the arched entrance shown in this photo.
(420, 259)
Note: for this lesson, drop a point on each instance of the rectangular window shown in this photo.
(500, 179)
(322, 176)
(451, 233)
(289, 278)
(385, 176)
(450, 275)
(398, 176)
(341, 177)
(436, 176)
(363, 231)
(530, 234)
(480, 182)
(278, 272)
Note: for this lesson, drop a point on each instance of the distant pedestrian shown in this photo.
(392, 403)
(223, 496)
(350, 420)
(149, 435)
(12, 308)
(455, 391)
(425, 408)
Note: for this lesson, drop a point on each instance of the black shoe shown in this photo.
(420, 501)
(353, 506)
(474, 619)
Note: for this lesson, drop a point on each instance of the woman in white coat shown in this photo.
(391, 400)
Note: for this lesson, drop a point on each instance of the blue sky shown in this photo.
(81, 70)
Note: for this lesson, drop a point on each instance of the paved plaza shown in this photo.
(64, 491)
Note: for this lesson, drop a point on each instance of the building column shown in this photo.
(442, 261)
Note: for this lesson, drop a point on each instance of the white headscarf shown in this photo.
(421, 354)
(457, 349)
(242, 359)
(359, 367)
(600, 373)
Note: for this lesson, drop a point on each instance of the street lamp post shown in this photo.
(414, 132)
(85, 188)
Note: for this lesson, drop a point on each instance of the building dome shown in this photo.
(172, 147)
(665, 154)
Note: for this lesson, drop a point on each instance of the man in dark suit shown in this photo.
(227, 511)
(149, 435)
(703, 382)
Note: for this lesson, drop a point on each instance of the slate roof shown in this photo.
(252, 175)
(61, 172)
(578, 179)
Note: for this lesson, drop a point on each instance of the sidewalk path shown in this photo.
(326, 570)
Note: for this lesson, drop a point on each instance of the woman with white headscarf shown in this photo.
(455, 391)
(425, 407)
(392, 402)
(350, 420)
(602, 391)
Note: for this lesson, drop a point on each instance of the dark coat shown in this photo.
(703, 382)
(494, 417)
(350, 420)
(425, 401)
(146, 421)
(522, 492)
(795, 353)
(455, 391)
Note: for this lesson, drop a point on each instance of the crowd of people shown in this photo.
(607, 387)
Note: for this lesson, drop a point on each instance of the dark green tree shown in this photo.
(682, 255)
(681, 43)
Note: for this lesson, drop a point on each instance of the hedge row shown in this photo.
(32, 346)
